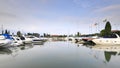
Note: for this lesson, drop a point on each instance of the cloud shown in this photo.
(40, 16)
(109, 8)
(23, 9)
(7, 14)
(111, 12)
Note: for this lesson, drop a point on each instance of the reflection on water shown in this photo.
(4, 50)
(38, 43)
(60, 54)
(27, 46)
(12, 50)
(108, 55)
(109, 50)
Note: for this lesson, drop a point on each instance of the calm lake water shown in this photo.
(59, 54)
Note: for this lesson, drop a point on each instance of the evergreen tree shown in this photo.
(36, 34)
(19, 34)
(78, 34)
(107, 28)
(102, 32)
(44, 34)
(6, 31)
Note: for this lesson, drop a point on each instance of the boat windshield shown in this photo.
(110, 36)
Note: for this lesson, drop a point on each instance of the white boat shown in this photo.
(113, 40)
(17, 41)
(26, 40)
(70, 39)
(36, 39)
(4, 40)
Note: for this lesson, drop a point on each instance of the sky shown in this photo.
(59, 16)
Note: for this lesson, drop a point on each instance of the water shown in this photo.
(58, 54)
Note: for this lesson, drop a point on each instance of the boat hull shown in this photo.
(107, 41)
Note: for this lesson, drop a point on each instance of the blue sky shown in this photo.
(59, 16)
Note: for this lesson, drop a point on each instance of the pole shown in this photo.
(2, 29)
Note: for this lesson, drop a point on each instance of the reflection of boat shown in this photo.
(4, 50)
(36, 39)
(38, 43)
(109, 50)
(26, 47)
(110, 40)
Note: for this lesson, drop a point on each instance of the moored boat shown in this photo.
(37, 40)
(17, 41)
(113, 39)
(26, 40)
(5, 39)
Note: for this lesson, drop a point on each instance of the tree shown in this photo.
(107, 28)
(44, 35)
(6, 31)
(102, 32)
(29, 34)
(36, 34)
(78, 34)
(19, 34)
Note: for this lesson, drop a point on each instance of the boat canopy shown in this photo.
(111, 36)
(7, 36)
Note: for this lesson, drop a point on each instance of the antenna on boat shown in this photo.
(2, 29)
